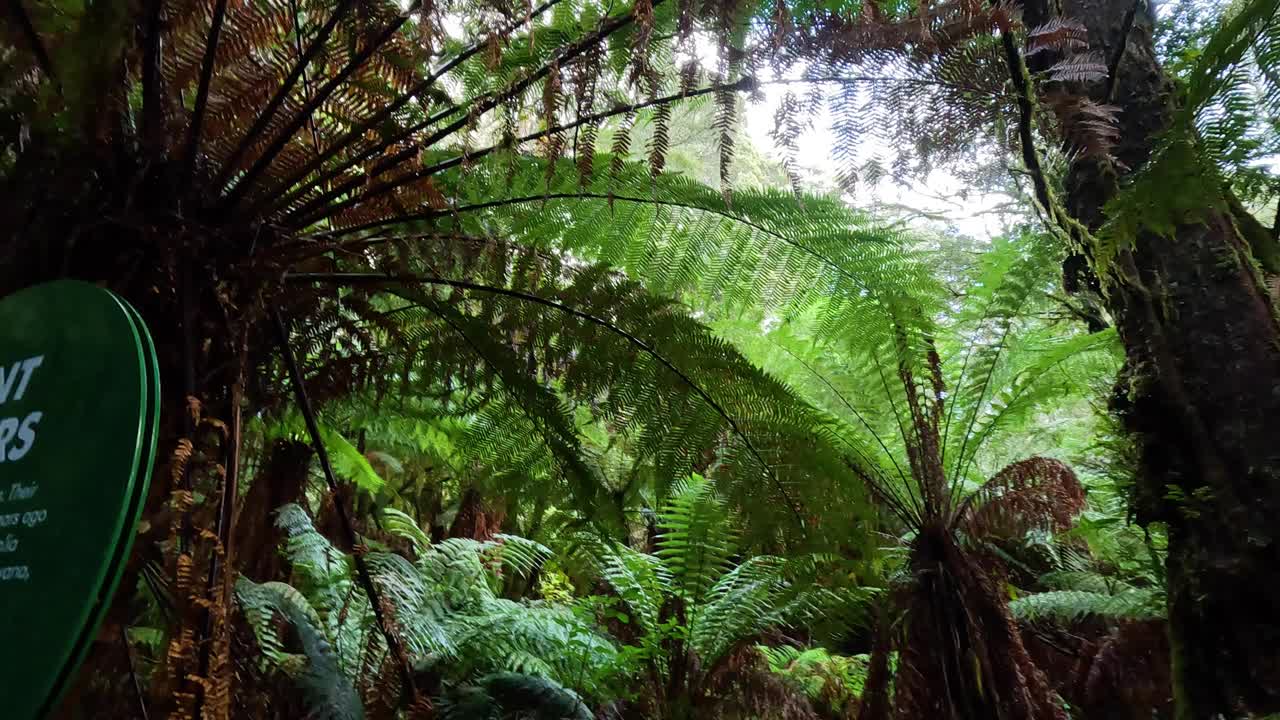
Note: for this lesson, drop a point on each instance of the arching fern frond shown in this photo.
(1072, 605)
(1034, 493)
(633, 359)
(677, 234)
(507, 695)
(696, 540)
(327, 688)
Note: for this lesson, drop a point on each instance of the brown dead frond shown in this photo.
(1037, 492)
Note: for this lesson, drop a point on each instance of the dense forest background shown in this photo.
(517, 364)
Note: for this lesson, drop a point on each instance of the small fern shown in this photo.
(1072, 605)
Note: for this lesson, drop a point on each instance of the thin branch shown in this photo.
(264, 118)
(348, 530)
(152, 108)
(33, 39)
(377, 278)
(133, 674)
(1275, 224)
(1076, 233)
(743, 84)
(359, 131)
(317, 206)
(1113, 67)
(202, 93)
(1026, 110)
(304, 115)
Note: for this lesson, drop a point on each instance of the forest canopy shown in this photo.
(675, 359)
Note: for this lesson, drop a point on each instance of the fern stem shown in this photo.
(352, 278)
(354, 134)
(744, 83)
(222, 553)
(202, 94)
(961, 465)
(318, 206)
(304, 115)
(541, 198)
(152, 108)
(348, 530)
(495, 367)
(845, 401)
(906, 437)
(264, 118)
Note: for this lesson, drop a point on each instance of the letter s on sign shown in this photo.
(26, 436)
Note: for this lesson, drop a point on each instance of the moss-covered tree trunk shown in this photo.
(1201, 392)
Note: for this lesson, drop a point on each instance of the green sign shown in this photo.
(78, 414)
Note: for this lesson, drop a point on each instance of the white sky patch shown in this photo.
(937, 198)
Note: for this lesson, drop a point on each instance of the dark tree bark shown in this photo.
(477, 518)
(1201, 392)
(283, 480)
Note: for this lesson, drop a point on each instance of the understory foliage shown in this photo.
(695, 614)
(484, 654)
(682, 621)
(481, 404)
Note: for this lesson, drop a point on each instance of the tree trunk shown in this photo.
(1201, 392)
(283, 480)
(477, 518)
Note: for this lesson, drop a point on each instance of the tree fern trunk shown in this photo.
(874, 703)
(1201, 391)
(282, 481)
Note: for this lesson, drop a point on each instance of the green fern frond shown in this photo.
(1071, 605)
(401, 524)
(327, 688)
(508, 694)
(678, 235)
(695, 540)
(1224, 128)
(640, 580)
(822, 675)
